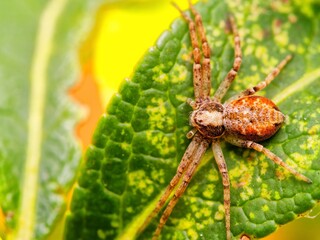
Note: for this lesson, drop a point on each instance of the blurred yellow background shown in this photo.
(126, 31)
(123, 33)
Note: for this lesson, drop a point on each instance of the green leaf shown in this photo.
(139, 142)
(39, 154)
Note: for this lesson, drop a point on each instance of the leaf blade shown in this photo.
(152, 159)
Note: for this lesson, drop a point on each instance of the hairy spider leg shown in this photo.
(200, 90)
(225, 84)
(258, 147)
(206, 51)
(198, 154)
(183, 166)
(222, 166)
(271, 76)
(201, 73)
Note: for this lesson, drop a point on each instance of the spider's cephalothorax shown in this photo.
(208, 119)
(243, 120)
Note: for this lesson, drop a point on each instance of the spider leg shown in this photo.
(271, 76)
(225, 84)
(258, 147)
(183, 166)
(218, 155)
(206, 68)
(198, 71)
(202, 146)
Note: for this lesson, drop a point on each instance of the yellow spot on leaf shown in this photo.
(213, 175)
(292, 47)
(179, 73)
(292, 18)
(140, 183)
(303, 159)
(185, 223)
(159, 75)
(301, 49)
(314, 130)
(257, 32)
(209, 192)
(282, 38)
(248, 50)
(192, 234)
(101, 234)
(220, 213)
(246, 193)
(241, 175)
(161, 142)
(265, 192)
(265, 208)
(160, 117)
(254, 67)
(263, 167)
(159, 175)
(277, 195)
(181, 98)
(206, 212)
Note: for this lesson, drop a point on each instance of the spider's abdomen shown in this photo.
(208, 119)
(253, 118)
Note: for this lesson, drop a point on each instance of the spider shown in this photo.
(243, 120)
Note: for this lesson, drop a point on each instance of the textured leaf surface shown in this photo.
(38, 151)
(140, 140)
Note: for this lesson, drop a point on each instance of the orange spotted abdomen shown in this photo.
(252, 118)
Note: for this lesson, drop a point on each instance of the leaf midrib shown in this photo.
(300, 84)
(38, 78)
